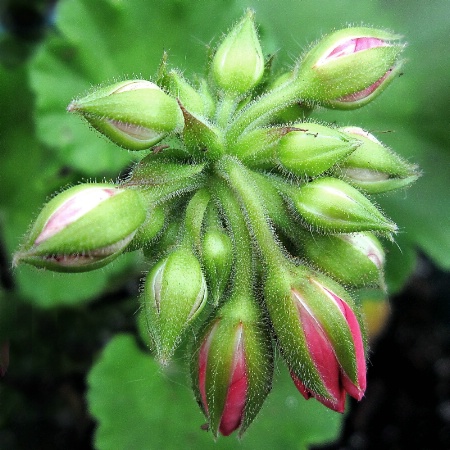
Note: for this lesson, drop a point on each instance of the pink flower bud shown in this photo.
(325, 354)
(350, 67)
(232, 367)
(233, 408)
(83, 228)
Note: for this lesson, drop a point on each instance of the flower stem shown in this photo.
(258, 222)
(260, 111)
(243, 257)
(225, 109)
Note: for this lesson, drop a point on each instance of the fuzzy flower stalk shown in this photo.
(251, 215)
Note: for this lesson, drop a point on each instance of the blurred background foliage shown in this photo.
(59, 326)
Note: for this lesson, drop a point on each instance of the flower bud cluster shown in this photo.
(231, 169)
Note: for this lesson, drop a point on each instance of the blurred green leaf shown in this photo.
(138, 406)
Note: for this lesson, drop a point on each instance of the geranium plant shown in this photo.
(256, 220)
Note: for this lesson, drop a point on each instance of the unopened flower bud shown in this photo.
(349, 66)
(319, 335)
(83, 228)
(373, 167)
(134, 114)
(217, 252)
(353, 259)
(334, 206)
(310, 149)
(232, 368)
(174, 294)
(238, 64)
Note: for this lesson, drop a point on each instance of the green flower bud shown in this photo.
(353, 259)
(232, 367)
(83, 228)
(217, 253)
(238, 64)
(373, 167)
(133, 114)
(351, 62)
(311, 149)
(334, 206)
(174, 294)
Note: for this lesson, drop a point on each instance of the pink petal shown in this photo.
(322, 354)
(350, 46)
(338, 406)
(202, 363)
(364, 43)
(356, 391)
(72, 209)
(237, 392)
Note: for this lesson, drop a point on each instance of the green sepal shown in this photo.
(135, 114)
(201, 137)
(160, 178)
(181, 89)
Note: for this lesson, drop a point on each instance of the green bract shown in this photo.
(238, 171)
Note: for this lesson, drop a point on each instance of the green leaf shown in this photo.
(140, 406)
